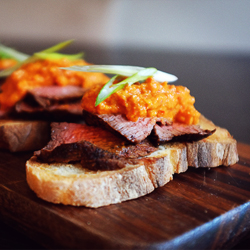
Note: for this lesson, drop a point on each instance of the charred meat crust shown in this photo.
(95, 147)
(49, 95)
(132, 131)
(62, 112)
(178, 132)
(56, 103)
(158, 130)
(99, 148)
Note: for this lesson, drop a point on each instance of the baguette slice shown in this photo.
(21, 135)
(71, 184)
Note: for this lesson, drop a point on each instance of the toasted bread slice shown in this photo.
(20, 135)
(72, 184)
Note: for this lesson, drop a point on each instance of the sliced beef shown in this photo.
(95, 147)
(4, 114)
(52, 103)
(132, 131)
(159, 130)
(179, 132)
(73, 108)
(64, 112)
(50, 95)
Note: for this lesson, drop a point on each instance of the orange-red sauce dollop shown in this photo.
(45, 73)
(7, 63)
(147, 99)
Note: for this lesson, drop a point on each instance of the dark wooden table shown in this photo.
(199, 209)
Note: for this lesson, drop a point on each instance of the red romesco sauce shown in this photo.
(147, 99)
(45, 73)
(7, 63)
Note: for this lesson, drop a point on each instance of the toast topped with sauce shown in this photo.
(117, 157)
(35, 91)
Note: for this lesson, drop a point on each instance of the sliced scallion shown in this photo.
(134, 73)
(6, 52)
(49, 53)
(56, 56)
(123, 70)
(109, 88)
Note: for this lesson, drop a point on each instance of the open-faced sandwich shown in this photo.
(139, 132)
(36, 91)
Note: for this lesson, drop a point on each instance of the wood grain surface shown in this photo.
(202, 208)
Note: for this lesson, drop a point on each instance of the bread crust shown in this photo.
(217, 149)
(72, 184)
(83, 187)
(20, 135)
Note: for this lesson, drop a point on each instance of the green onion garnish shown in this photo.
(22, 58)
(6, 52)
(109, 88)
(55, 56)
(134, 73)
(123, 70)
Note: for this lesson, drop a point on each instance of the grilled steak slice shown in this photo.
(93, 146)
(62, 112)
(132, 131)
(4, 114)
(179, 132)
(51, 95)
(73, 108)
(52, 103)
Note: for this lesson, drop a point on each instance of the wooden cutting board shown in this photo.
(202, 208)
